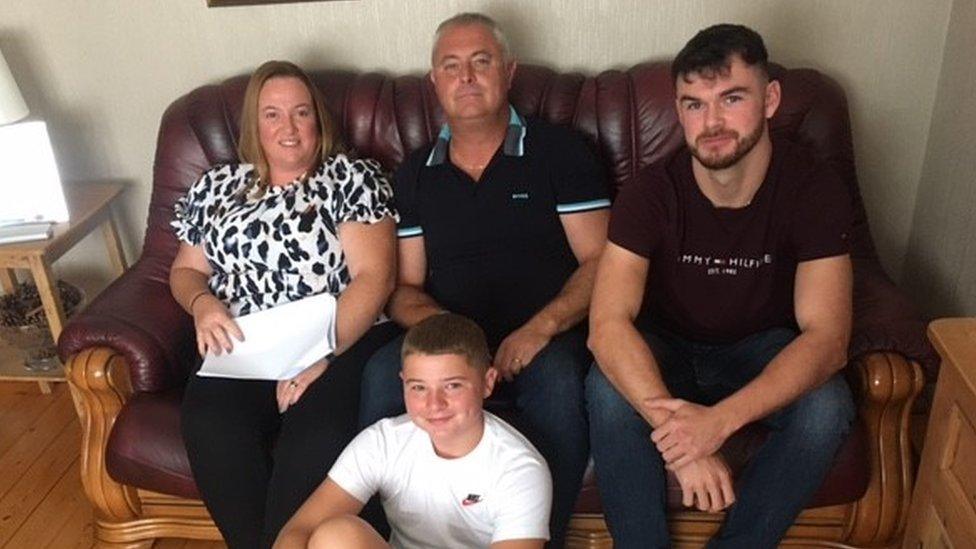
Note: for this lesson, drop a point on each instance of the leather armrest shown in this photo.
(885, 320)
(138, 317)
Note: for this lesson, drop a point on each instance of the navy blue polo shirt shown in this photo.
(496, 249)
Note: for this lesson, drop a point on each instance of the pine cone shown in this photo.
(24, 308)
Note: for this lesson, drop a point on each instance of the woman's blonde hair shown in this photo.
(249, 147)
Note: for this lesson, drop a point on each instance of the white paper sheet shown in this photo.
(279, 342)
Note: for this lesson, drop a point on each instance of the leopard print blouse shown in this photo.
(284, 245)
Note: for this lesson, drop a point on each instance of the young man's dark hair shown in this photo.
(709, 51)
(448, 334)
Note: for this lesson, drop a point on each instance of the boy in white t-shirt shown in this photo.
(449, 474)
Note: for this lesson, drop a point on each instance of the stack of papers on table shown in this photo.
(24, 232)
(280, 342)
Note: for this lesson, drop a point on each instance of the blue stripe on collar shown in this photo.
(514, 144)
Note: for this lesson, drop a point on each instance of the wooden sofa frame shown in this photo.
(127, 517)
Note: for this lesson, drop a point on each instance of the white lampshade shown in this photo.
(29, 180)
(12, 106)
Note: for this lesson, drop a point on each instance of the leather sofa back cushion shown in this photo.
(627, 115)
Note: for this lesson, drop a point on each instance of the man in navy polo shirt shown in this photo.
(723, 298)
(502, 220)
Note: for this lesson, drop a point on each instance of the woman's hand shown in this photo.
(290, 390)
(188, 281)
(214, 326)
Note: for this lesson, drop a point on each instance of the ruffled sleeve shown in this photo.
(363, 191)
(190, 210)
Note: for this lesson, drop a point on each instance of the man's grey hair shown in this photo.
(473, 18)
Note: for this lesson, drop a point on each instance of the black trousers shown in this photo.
(254, 466)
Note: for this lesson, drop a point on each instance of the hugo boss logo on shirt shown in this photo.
(520, 196)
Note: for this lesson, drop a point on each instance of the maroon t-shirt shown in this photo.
(717, 275)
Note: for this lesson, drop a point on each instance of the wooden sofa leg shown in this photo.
(890, 384)
(99, 382)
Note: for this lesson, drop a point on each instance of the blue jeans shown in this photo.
(548, 399)
(774, 487)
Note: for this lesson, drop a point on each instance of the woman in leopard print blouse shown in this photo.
(297, 218)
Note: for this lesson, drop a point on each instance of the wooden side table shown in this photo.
(943, 510)
(89, 207)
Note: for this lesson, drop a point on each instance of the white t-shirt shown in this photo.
(499, 491)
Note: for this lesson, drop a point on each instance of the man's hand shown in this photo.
(518, 349)
(214, 326)
(691, 432)
(290, 390)
(706, 484)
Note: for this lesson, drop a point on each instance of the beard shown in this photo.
(742, 147)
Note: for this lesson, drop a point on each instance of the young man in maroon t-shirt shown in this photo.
(722, 298)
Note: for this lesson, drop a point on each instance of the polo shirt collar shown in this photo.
(514, 144)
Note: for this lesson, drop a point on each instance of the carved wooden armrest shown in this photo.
(889, 383)
(100, 385)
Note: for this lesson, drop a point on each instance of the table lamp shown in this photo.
(29, 179)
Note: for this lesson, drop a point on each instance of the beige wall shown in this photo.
(102, 71)
(941, 260)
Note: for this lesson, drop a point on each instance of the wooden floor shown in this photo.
(41, 499)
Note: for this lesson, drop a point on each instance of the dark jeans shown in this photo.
(254, 466)
(776, 484)
(548, 398)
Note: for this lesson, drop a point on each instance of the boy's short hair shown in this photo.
(448, 334)
(709, 51)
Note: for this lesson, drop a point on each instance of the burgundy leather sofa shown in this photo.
(129, 353)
